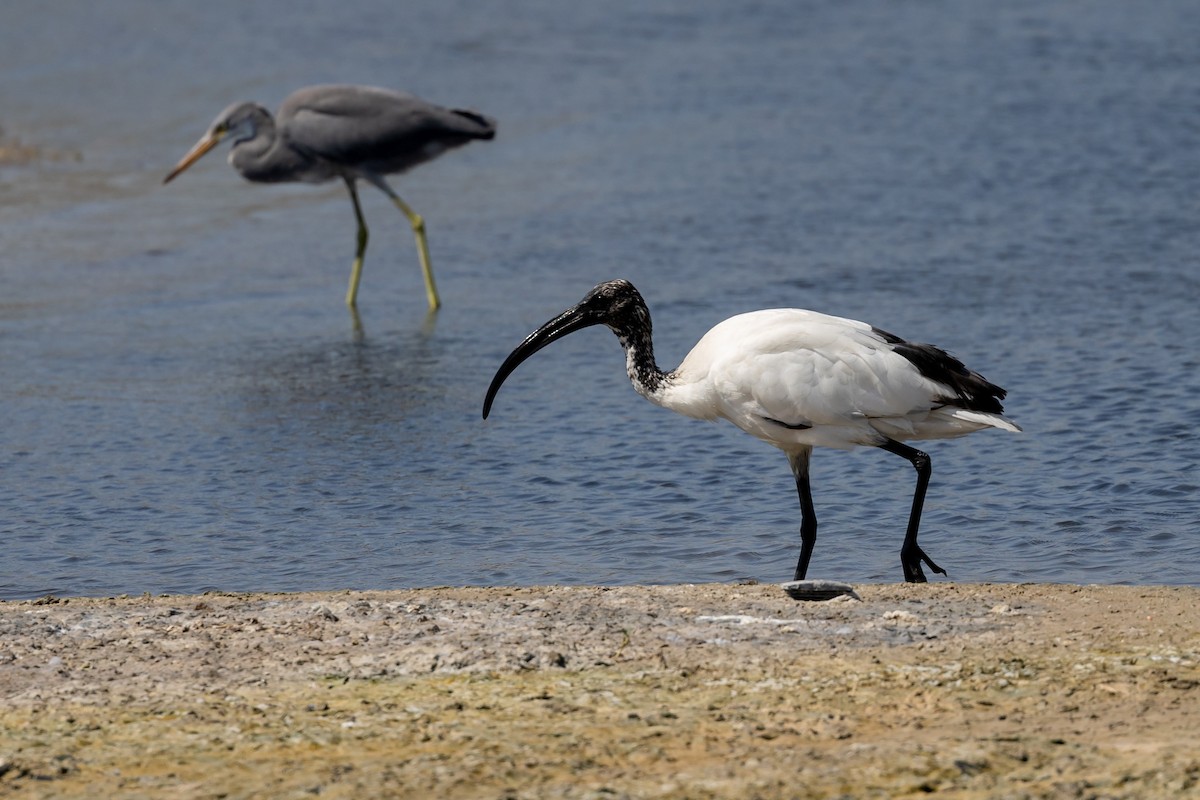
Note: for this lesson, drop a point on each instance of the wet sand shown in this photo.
(709, 691)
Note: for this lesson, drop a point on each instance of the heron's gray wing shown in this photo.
(375, 130)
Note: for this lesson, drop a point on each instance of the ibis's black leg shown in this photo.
(808, 515)
(911, 555)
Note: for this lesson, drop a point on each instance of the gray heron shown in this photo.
(352, 132)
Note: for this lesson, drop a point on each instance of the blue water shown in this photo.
(188, 406)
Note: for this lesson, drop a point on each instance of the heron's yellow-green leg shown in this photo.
(356, 267)
(418, 226)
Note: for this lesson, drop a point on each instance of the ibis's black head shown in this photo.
(616, 304)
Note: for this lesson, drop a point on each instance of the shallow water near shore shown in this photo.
(188, 406)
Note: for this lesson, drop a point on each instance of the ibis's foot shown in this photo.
(911, 560)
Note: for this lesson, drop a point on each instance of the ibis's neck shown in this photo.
(649, 381)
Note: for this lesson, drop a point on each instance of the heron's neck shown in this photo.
(252, 156)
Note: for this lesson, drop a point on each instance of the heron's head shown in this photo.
(239, 122)
(616, 304)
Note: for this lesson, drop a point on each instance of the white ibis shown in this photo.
(796, 379)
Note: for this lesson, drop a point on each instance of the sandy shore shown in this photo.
(717, 691)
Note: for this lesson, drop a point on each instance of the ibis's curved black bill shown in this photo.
(613, 303)
(573, 319)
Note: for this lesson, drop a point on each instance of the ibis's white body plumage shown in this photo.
(830, 381)
(796, 379)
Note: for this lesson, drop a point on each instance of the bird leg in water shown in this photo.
(808, 515)
(418, 227)
(911, 555)
(356, 267)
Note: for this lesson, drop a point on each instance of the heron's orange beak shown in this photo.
(201, 147)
